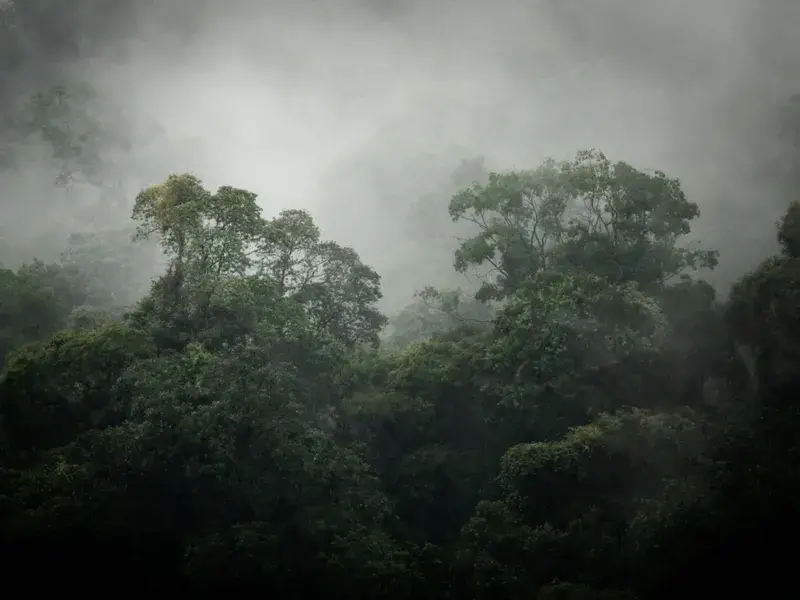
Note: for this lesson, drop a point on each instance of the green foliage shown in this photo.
(556, 500)
(789, 231)
(35, 302)
(99, 275)
(763, 302)
(218, 245)
(423, 428)
(52, 391)
(600, 431)
(567, 346)
(590, 213)
(435, 313)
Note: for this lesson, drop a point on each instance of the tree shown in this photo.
(608, 218)
(563, 506)
(437, 312)
(216, 243)
(738, 503)
(698, 364)
(53, 391)
(604, 430)
(215, 473)
(567, 345)
(789, 231)
(338, 291)
(35, 302)
(764, 308)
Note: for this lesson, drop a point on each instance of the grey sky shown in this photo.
(348, 107)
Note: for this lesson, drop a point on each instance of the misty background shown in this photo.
(361, 111)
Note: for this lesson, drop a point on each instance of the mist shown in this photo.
(355, 110)
(203, 399)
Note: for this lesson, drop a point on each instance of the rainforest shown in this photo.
(202, 392)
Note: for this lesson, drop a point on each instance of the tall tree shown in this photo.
(219, 242)
(608, 218)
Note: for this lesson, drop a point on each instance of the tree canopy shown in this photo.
(589, 213)
(593, 423)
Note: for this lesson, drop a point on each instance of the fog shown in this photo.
(355, 109)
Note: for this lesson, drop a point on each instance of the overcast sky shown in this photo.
(350, 108)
